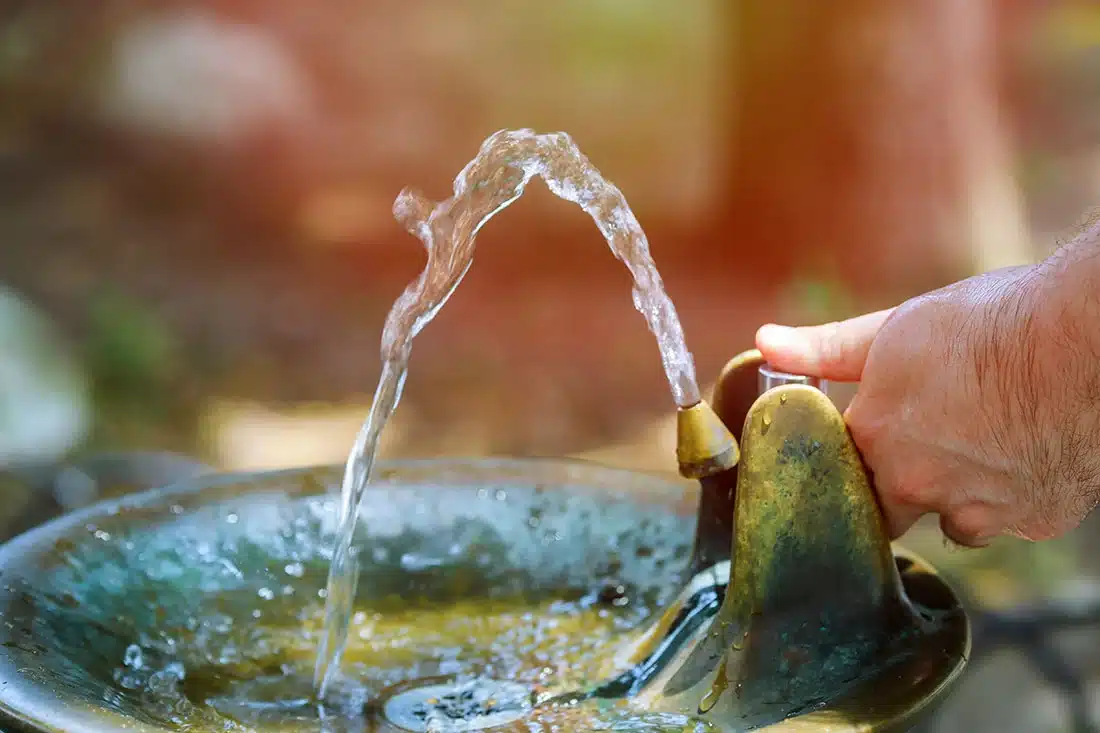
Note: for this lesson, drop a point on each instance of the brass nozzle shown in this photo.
(704, 445)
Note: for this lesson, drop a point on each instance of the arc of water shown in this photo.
(497, 176)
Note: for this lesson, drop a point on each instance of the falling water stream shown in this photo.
(507, 161)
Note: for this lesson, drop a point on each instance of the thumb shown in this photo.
(835, 351)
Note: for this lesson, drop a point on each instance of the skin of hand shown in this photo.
(979, 402)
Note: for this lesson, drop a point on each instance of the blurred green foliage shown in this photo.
(129, 352)
(134, 366)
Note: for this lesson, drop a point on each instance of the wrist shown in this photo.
(1067, 293)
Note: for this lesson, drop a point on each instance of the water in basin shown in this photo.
(490, 596)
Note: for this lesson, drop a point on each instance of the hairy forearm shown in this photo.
(1064, 382)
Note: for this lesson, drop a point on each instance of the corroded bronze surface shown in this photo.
(819, 630)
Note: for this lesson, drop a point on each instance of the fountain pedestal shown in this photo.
(823, 626)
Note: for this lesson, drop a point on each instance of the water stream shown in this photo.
(505, 164)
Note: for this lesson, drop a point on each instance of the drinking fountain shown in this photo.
(757, 591)
(824, 625)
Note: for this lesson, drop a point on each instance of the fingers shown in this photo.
(834, 351)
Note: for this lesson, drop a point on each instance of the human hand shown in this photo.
(978, 402)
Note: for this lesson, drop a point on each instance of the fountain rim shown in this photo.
(34, 708)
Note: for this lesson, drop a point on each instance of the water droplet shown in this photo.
(101, 535)
(766, 422)
(232, 518)
(176, 509)
(266, 593)
(501, 495)
(133, 657)
(295, 570)
(782, 399)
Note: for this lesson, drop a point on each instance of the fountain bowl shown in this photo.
(199, 604)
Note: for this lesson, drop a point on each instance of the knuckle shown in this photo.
(971, 525)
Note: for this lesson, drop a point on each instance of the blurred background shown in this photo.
(197, 250)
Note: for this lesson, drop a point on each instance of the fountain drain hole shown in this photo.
(474, 705)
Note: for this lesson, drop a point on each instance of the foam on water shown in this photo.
(497, 176)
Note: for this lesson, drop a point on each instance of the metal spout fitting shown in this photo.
(704, 445)
(770, 378)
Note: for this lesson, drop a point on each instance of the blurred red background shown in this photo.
(198, 193)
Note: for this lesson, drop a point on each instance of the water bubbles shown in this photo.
(500, 495)
(412, 562)
(232, 518)
(133, 658)
(295, 569)
(165, 683)
(266, 593)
